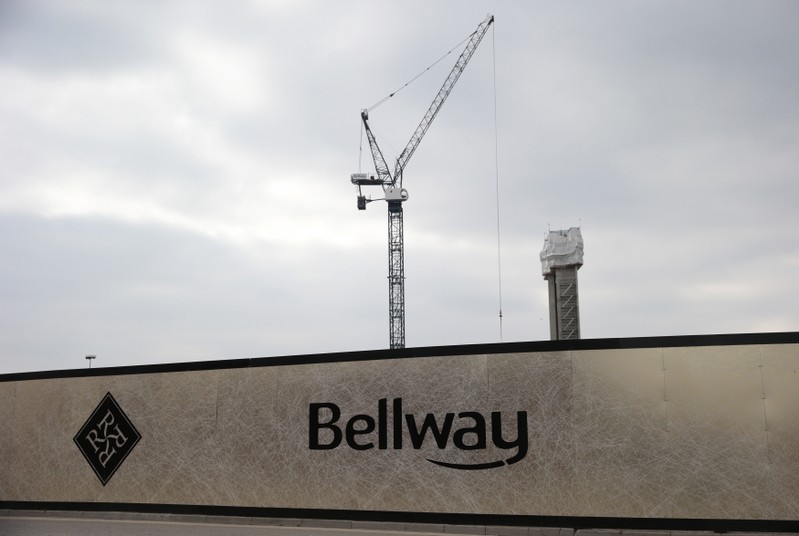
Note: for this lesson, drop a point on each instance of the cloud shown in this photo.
(175, 180)
(143, 293)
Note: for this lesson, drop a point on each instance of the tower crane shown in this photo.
(396, 195)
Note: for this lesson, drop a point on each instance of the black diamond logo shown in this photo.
(106, 439)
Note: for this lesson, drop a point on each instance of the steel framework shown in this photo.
(395, 194)
(396, 276)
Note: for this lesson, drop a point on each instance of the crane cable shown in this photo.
(496, 174)
(412, 80)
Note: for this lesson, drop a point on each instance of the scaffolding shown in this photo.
(561, 257)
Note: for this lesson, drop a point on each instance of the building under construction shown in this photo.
(561, 257)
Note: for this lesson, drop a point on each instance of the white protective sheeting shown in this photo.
(562, 248)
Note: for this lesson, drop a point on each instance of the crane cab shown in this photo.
(396, 194)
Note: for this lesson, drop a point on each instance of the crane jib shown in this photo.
(442, 95)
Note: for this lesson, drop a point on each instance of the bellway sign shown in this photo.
(603, 429)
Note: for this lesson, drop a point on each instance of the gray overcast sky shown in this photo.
(175, 175)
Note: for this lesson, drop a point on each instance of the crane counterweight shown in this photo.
(365, 179)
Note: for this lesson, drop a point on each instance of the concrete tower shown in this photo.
(561, 257)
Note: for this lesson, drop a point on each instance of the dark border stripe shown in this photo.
(623, 523)
(426, 351)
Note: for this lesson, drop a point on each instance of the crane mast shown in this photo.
(395, 194)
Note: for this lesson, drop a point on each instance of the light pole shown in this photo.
(89, 359)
